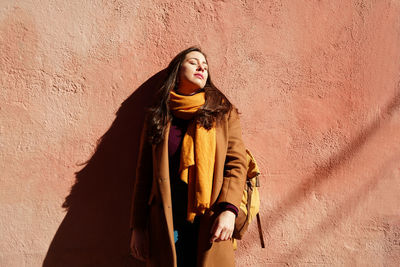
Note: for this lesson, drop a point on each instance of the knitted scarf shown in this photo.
(197, 155)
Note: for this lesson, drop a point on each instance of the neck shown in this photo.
(185, 91)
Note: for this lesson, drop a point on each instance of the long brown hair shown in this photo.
(215, 106)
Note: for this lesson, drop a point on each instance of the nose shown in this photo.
(201, 67)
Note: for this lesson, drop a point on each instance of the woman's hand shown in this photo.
(223, 226)
(139, 244)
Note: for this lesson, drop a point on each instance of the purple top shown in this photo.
(178, 190)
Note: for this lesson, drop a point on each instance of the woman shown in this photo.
(190, 173)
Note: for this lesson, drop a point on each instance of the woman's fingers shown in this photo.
(215, 231)
(225, 235)
(223, 227)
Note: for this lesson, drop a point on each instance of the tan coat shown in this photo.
(152, 207)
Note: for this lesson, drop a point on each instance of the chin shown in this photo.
(201, 85)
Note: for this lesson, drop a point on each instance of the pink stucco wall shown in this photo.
(318, 85)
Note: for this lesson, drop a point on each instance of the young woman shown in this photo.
(190, 173)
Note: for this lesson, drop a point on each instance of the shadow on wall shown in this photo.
(95, 230)
(322, 174)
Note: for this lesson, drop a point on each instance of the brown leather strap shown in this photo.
(260, 230)
(249, 195)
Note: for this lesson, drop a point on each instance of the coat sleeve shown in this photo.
(235, 164)
(143, 183)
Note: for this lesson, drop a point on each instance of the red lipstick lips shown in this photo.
(199, 75)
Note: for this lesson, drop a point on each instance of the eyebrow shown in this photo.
(197, 59)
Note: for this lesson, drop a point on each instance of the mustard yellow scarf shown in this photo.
(197, 154)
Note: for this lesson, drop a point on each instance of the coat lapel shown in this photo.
(219, 160)
(162, 178)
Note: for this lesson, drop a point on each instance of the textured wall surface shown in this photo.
(318, 85)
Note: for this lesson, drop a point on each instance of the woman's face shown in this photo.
(193, 73)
